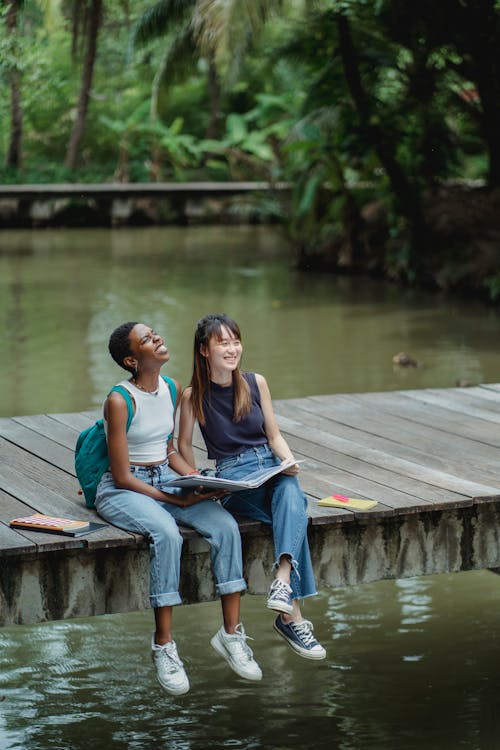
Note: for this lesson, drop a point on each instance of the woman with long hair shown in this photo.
(236, 418)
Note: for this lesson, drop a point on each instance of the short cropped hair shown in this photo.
(119, 344)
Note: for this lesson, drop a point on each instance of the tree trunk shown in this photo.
(14, 152)
(74, 144)
(481, 43)
(213, 129)
(405, 193)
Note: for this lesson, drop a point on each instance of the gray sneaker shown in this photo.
(169, 668)
(238, 654)
(280, 597)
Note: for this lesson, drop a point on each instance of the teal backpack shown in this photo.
(91, 451)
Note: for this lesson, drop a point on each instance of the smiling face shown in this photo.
(223, 354)
(147, 347)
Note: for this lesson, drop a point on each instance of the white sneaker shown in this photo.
(238, 654)
(169, 668)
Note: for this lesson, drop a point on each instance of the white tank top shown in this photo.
(151, 425)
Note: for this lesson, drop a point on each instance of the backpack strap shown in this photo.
(128, 400)
(173, 389)
(173, 395)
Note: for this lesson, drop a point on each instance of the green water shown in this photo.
(411, 664)
(62, 292)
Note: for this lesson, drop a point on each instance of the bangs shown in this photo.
(214, 328)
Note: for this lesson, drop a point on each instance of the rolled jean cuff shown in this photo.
(165, 600)
(230, 587)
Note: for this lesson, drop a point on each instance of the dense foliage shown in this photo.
(381, 113)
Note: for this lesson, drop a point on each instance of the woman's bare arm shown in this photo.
(276, 441)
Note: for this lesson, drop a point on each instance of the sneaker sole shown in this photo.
(222, 652)
(181, 690)
(278, 607)
(175, 691)
(299, 650)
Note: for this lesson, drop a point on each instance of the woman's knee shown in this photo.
(290, 491)
(227, 527)
(167, 537)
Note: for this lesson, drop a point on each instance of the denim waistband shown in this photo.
(153, 471)
(256, 450)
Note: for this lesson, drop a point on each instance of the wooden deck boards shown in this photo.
(414, 452)
(409, 450)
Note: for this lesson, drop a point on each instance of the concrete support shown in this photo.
(86, 582)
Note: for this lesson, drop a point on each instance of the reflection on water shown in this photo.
(411, 663)
(62, 292)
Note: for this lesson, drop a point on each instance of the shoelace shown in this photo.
(280, 590)
(241, 643)
(304, 631)
(171, 657)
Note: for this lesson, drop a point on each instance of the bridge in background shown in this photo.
(116, 203)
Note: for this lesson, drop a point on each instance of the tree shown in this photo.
(86, 14)
(14, 153)
(174, 19)
(218, 32)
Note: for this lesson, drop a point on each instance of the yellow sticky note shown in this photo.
(341, 501)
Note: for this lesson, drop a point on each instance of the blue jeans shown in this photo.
(157, 521)
(279, 503)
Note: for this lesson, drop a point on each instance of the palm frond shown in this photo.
(226, 27)
(160, 18)
(179, 57)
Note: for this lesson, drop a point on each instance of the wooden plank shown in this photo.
(398, 491)
(92, 414)
(33, 442)
(39, 470)
(378, 451)
(38, 498)
(76, 420)
(325, 416)
(495, 387)
(24, 541)
(139, 189)
(12, 542)
(450, 401)
(363, 417)
(443, 420)
(50, 429)
(479, 393)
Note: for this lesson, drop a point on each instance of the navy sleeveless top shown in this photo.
(222, 436)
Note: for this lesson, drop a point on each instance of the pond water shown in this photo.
(411, 663)
(62, 292)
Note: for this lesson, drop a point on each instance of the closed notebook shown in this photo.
(341, 501)
(56, 525)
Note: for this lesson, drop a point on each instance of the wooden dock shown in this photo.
(113, 190)
(122, 203)
(430, 458)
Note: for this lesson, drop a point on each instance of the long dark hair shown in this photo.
(211, 327)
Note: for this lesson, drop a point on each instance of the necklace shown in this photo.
(145, 390)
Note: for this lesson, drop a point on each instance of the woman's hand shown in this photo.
(292, 470)
(195, 496)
